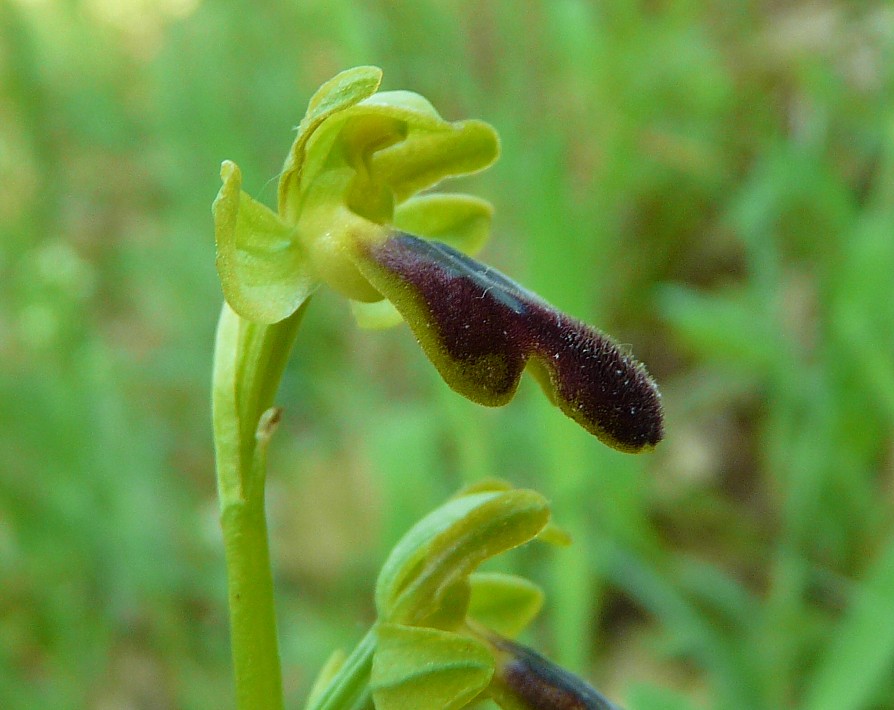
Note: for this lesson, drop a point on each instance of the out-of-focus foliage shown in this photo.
(711, 182)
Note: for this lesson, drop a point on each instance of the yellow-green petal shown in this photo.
(505, 603)
(460, 220)
(395, 147)
(426, 157)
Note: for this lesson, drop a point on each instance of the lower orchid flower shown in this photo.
(443, 634)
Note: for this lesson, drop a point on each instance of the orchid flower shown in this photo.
(443, 634)
(353, 214)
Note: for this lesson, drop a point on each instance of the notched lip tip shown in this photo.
(643, 445)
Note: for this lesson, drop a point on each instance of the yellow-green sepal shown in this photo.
(341, 91)
(427, 668)
(263, 269)
(429, 565)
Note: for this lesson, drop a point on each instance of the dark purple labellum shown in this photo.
(542, 685)
(481, 330)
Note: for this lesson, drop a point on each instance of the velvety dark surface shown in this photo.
(490, 328)
(543, 685)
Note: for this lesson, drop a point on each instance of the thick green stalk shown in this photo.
(252, 619)
(248, 363)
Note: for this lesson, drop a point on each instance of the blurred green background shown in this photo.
(711, 182)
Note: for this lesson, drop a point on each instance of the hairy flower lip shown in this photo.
(481, 330)
(539, 683)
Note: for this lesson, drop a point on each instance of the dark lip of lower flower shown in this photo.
(542, 685)
(481, 330)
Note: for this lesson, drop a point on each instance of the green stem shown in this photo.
(249, 360)
(252, 618)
